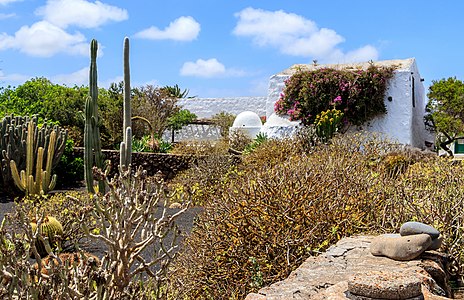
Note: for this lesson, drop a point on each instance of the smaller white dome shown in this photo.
(247, 119)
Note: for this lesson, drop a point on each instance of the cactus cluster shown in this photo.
(14, 133)
(126, 145)
(92, 145)
(50, 229)
(43, 181)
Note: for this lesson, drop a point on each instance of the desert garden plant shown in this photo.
(275, 214)
(155, 105)
(92, 144)
(22, 279)
(283, 204)
(130, 220)
(224, 120)
(20, 143)
(44, 180)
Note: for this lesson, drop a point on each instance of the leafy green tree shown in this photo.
(446, 110)
(175, 91)
(155, 105)
(180, 119)
(41, 97)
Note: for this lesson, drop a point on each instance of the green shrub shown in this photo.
(224, 120)
(328, 123)
(180, 119)
(70, 169)
(260, 139)
(144, 144)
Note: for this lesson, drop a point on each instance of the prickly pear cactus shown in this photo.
(50, 229)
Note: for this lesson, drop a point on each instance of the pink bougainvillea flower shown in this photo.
(337, 99)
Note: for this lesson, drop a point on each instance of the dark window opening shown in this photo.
(413, 93)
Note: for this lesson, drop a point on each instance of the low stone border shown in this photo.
(348, 270)
(168, 164)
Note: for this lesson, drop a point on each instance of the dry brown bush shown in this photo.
(284, 204)
(201, 148)
(267, 220)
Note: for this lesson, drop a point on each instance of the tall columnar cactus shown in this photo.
(126, 145)
(92, 144)
(43, 181)
(13, 136)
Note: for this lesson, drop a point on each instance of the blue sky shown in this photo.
(221, 48)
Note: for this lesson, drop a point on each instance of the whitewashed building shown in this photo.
(405, 100)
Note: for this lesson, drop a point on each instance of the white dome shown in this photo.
(247, 119)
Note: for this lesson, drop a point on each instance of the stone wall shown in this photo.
(348, 268)
(168, 164)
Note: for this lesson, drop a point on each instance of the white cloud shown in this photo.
(107, 83)
(203, 68)
(44, 39)
(81, 13)
(14, 78)
(294, 35)
(181, 29)
(80, 77)
(6, 16)
(209, 68)
(5, 2)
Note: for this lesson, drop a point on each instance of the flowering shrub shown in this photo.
(359, 93)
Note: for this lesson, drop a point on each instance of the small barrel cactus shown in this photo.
(51, 229)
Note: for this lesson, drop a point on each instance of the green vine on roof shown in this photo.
(358, 93)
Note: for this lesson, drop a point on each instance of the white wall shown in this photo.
(276, 86)
(403, 122)
(397, 122)
(207, 107)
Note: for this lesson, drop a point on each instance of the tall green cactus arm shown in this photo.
(126, 149)
(29, 148)
(127, 89)
(88, 147)
(92, 143)
(19, 179)
(48, 182)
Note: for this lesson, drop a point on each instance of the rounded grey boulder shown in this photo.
(436, 243)
(411, 228)
(400, 247)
